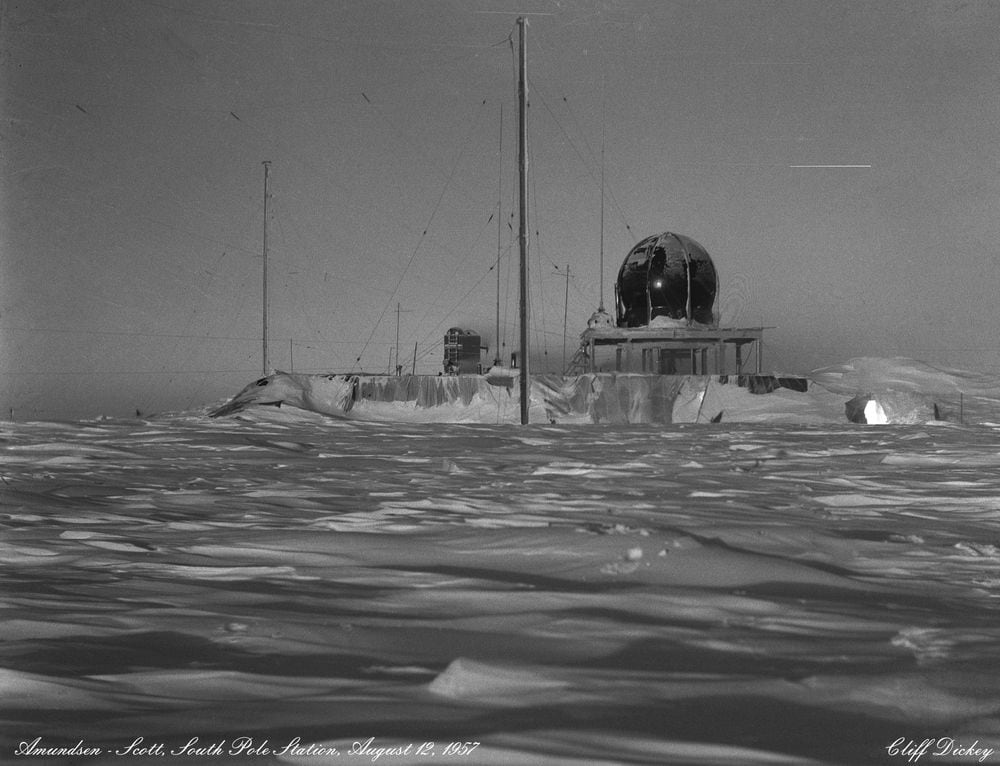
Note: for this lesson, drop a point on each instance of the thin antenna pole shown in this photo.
(687, 272)
(604, 113)
(522, 235)
(496, 354)
(398, 366)
(266, 364)
(600, 306)
(565, 317)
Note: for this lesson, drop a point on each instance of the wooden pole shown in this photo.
(496, 353)
(522, 235)
(565, 318)
(600, 305)
(266, 364)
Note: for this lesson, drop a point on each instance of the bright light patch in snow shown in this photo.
(874, 413)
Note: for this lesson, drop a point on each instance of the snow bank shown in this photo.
(615, 398)
(911, 391)
(891, 390)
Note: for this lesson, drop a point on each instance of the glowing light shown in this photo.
(874, 413)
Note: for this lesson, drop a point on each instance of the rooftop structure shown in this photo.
(666, 320)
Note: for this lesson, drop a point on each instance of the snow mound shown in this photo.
(864, 390)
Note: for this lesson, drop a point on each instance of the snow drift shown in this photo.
(899, 390)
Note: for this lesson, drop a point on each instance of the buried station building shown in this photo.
(666, 321)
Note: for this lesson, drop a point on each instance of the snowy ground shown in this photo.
(696, 594)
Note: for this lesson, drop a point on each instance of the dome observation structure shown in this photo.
(665, 319)
(666, 275)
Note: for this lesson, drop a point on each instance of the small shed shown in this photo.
(462, 352)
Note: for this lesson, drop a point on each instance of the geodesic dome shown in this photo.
(668, 275)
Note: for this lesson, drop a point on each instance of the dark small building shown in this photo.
(462, 352)
(666, 275)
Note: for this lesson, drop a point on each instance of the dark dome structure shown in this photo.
(668, 275)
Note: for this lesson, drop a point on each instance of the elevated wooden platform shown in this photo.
(696, 350)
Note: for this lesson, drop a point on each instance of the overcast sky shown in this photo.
(135, 130)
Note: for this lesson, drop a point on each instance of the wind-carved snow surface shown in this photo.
(560, 594)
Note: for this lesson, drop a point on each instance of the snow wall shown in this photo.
(617, 398)
(904, 390)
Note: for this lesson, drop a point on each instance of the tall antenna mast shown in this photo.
(600, 306)
(565, 317)
(522, 234)
(266, 362)
(496, 353)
